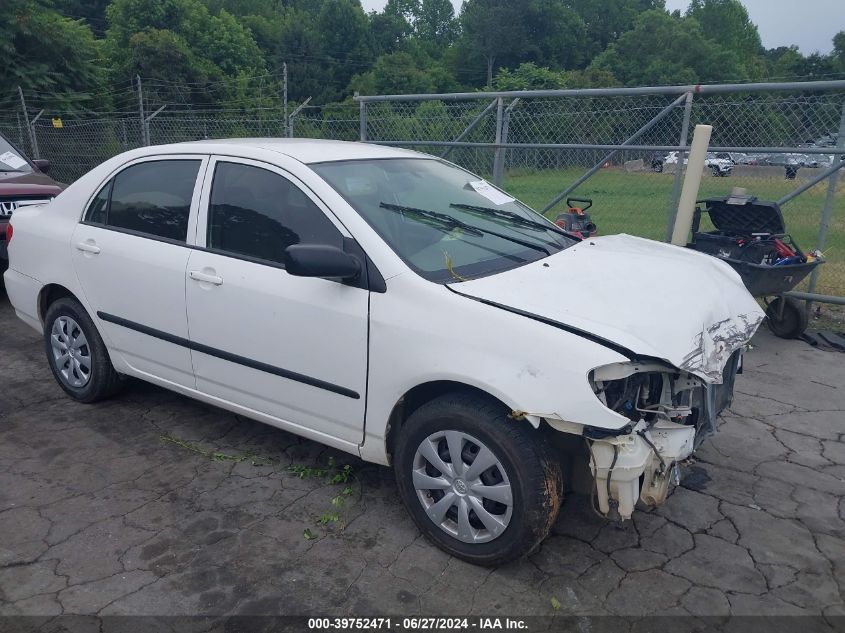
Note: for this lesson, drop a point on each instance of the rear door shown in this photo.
(130, 254)
(290, 347)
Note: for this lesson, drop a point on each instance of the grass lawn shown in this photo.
(638, 203)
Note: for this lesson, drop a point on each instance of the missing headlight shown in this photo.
(649, 392)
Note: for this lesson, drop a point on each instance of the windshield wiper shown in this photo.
(449, 221)
(510, 215)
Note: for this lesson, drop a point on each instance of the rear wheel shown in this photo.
(76, 353)
(480, 485)
(786, 317)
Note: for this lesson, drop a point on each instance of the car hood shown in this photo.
(645, 297)
(28, 178)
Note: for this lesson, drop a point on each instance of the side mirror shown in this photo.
(318, 260)
(43, 165)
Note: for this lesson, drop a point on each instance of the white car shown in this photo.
(395, 306)
(718, 166)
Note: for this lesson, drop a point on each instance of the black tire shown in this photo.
(102, 380)
(657, 167)
(790, 324)
(533, 472)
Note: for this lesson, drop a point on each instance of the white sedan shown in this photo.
(718, 166)
(395, 306)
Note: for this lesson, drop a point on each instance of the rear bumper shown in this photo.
(23, 295)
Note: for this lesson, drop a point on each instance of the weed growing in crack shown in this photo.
(216, 456)
(335, 476)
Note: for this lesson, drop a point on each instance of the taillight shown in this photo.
(9, 231)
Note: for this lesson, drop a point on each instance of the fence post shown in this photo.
(294, 114)
(827, 210)
(497, 156)
(144, 140)
(36, 153)
(20, 128)
(363, 120)
(29, 130)
(288, 123)
(505, 126)
(679, 170)
(147, 123)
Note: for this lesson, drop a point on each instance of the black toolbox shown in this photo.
(750, 235)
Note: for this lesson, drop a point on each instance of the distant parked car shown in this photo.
(23, 182)
(718, 166)
(827, 140)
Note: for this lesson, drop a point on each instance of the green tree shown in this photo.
(727, 23)
(182, 45)
(404, 73)
(529, 76)
(387, 32)
(493, 30)
(668, 49)
(839, 50)
(344, 30)
(557, 34)
(51, 57)
(435, 25)
(92, 11)
(606, 20)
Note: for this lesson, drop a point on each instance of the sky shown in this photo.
(811, 24)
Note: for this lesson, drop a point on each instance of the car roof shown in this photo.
(304, 150)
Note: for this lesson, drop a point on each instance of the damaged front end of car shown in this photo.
(671, 412)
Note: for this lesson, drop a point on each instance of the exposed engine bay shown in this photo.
(671, 413)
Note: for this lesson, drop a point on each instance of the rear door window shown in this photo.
(152, 198)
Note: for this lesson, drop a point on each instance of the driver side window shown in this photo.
(257, 213)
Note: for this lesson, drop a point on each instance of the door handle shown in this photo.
(88, 247)
(205, 277)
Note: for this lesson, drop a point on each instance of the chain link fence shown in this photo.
(622, 148)
(619, 147)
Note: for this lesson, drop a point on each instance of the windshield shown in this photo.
(11, 159)
(447, 224)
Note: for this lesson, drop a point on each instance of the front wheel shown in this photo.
(480, 485)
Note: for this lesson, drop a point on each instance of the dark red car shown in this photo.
(23, 182)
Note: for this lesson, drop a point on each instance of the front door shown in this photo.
(289, 347)
(131, 253)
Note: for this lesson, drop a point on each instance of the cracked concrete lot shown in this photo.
(154, 504)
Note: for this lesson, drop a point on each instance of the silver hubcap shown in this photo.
(462, 486)
(71, 352)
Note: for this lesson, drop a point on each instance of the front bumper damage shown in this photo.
(671, 413)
